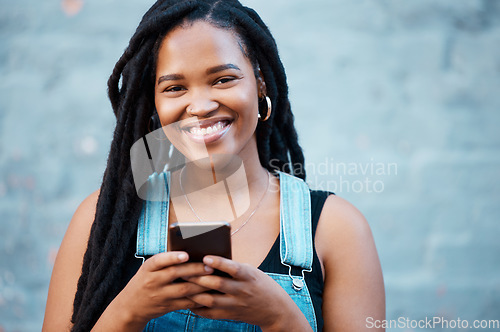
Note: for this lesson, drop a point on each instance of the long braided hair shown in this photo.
(131, 91)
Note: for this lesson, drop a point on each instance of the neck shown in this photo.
(220, 188)
(240, 175)
(241, 171)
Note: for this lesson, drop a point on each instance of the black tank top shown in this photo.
(272, 262)
(314, 279)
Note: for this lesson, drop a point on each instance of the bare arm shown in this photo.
(149, 294)
(354, 286)
(68, 267)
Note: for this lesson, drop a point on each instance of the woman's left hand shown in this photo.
(250, 296)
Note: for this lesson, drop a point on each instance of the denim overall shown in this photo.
(296, 249)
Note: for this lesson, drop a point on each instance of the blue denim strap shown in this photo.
(153, 221)
(296, 248)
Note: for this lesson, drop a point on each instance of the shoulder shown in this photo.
(341, 226)
(68, 266)
(79, 228)
(78, 231)
(354, 286)
(87, 208)
(342, 221)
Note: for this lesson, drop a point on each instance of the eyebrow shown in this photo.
(170, 77)
(212, 70)
(217, 69)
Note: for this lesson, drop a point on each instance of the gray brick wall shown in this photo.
(397, 106)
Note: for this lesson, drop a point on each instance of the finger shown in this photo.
(235, 269)
(182, 290)
(214, 300)
(183, 303)
(185, 271)
(221, 284)
(165, 259)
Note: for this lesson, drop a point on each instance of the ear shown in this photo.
(261, 85)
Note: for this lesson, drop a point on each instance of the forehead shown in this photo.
(199, 44)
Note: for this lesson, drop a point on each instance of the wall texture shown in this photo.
(397, 107)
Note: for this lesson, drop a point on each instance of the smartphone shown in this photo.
(202, 238)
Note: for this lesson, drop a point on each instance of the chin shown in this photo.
(220, 162)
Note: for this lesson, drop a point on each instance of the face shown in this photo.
(206, 92)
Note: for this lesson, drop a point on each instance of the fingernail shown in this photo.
(208, 269)
(182, 256)
(208, 260)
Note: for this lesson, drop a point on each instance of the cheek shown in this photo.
(169, 110)
(244, 102)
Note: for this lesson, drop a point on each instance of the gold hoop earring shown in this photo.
(269, 110)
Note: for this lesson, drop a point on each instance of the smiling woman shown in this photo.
(209, 75)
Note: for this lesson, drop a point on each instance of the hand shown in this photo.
(151, 292)
(250, 296)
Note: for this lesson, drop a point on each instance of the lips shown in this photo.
(207, 131)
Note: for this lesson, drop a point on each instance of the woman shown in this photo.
(212, 64)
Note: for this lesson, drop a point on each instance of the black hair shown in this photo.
(131, 92)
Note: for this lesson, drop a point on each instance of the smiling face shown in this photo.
(206, 92)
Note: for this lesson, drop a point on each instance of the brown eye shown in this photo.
(174, 89)
(224, 80)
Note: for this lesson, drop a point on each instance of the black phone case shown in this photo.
(201, 239)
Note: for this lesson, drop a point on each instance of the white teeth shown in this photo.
(207, 131)
(195, 131)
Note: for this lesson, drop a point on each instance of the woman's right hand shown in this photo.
(152, 293)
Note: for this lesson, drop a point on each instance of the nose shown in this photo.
(201, 105)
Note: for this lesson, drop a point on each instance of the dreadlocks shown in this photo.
(131, 92)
